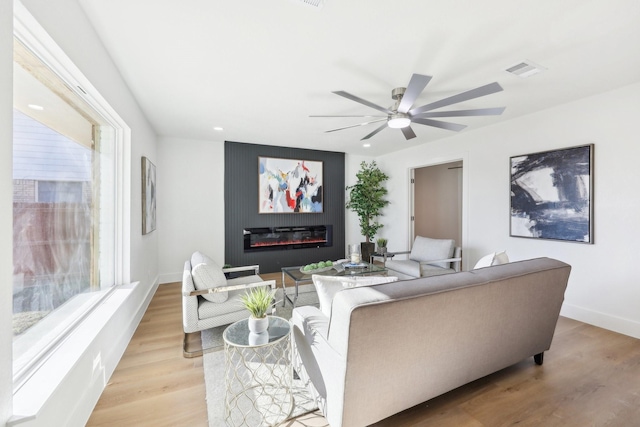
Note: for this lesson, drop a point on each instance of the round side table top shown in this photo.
(237, 334)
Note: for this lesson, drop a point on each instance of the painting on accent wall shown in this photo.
(551, 195)
(289, 186)
(148, 196)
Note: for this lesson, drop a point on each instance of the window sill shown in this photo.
(78, 370)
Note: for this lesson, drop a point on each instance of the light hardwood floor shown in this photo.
(590, 377)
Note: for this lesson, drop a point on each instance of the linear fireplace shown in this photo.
(283, 238)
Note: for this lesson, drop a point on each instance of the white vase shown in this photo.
(258, 326)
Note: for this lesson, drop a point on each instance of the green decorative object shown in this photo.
(367, 198)
(382, 245)
(258, 301)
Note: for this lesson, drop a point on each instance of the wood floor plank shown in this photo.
(590, 377)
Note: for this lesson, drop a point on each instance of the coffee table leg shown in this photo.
(284, 292)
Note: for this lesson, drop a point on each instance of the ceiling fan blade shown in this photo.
(416, 85)
(374, 132)
(438, 124)
(363, 101)
(355, 126)
(408, 132)
(465, 96)
(459, 113)
(350, 116)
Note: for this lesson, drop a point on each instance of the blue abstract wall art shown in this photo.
(551, 195)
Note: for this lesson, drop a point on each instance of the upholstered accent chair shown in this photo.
(210, 299)
(427, 257)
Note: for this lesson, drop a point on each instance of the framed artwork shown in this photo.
(148, 196)
(289, 185)
(551, 195)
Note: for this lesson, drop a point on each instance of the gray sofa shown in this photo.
(388, 347)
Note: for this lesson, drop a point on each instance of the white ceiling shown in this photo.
(259, 68)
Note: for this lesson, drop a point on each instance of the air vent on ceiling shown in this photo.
(316, 3)
(525, 69)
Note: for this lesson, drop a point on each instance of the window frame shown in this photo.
(31, 34)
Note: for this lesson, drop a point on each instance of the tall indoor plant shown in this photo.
(367, 198)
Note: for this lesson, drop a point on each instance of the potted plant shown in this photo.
(258, 301)
(382, 245)
(367, 199)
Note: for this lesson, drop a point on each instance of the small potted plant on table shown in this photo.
(382, 245)
(258, 301)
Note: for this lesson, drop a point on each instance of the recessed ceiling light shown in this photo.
(366, 145)
(218, 128)
(36, 107)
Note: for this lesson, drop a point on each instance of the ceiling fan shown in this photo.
(401, 114)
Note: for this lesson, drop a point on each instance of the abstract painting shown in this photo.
(551, 195)
(289, 186)
(148, 196)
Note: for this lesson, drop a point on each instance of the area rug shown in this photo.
(214, 366)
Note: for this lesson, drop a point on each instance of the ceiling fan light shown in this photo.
(399, 122)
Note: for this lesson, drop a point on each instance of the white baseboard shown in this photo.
(170, 278)
(603, 320)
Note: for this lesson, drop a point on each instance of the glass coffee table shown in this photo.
(340, 269)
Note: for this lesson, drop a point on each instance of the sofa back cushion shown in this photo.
(206, 275)
(426, 249)
(328, 286)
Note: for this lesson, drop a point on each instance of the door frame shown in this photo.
(454, 157)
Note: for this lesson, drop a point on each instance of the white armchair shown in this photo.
(427, 257)
(209, 299)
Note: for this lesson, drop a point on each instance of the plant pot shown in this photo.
(367, 249)
(258, 326)
(382, 250)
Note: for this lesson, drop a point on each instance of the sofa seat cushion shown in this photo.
(426, 249)
(206, 275)
(432, 270)
(328, 286)
(207, 309)
(404, 266)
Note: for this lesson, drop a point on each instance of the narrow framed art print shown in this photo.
(289, 186)
(551, 195)
(148, 196)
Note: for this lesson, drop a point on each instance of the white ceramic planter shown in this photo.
(258, 326)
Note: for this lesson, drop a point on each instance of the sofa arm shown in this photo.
(255, 268)
(270, 283)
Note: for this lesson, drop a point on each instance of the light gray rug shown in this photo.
(214, 365)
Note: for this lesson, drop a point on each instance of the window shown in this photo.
(67, 239)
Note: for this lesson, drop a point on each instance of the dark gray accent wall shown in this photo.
(241, 206)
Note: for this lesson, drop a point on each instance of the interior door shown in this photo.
(437, 202)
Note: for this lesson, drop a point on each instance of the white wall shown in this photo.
(6, 207)
(73, 398)
(603, 285)
(190, 203)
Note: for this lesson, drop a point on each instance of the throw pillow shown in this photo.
(426, 249)
(207, 274)
(328, 286)
(495, 258)
(485, 261)
(501, 258)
